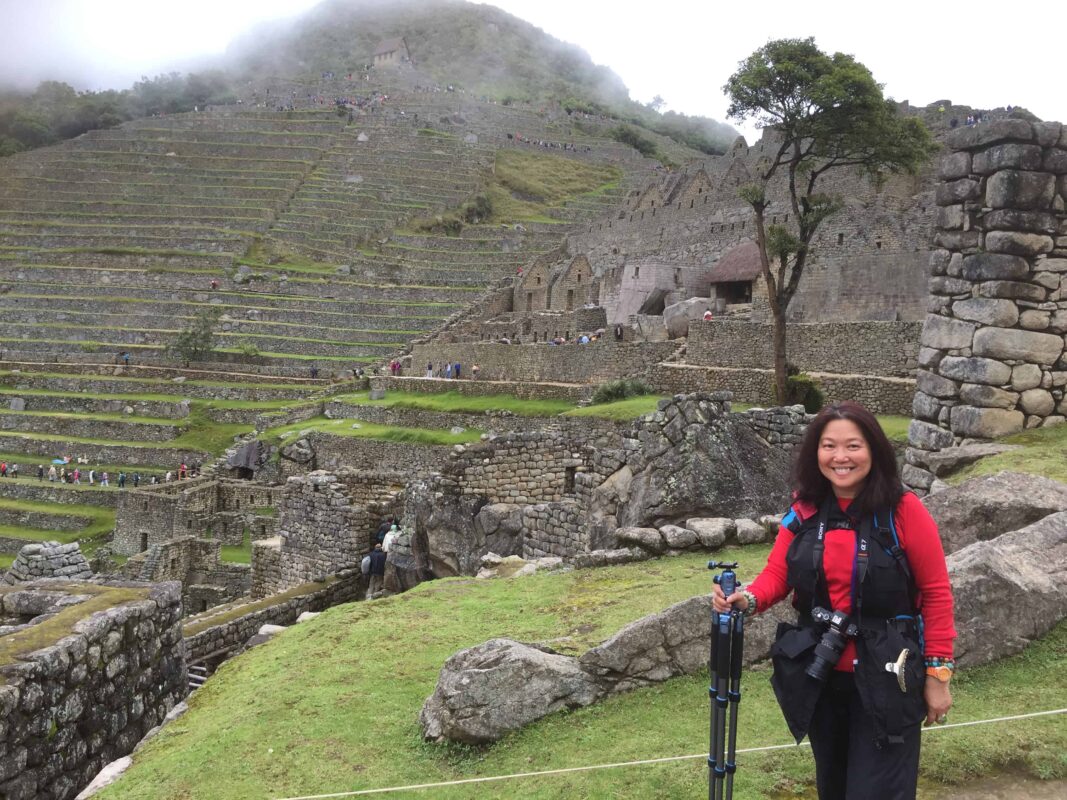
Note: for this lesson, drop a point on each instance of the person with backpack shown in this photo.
(871, 656)
(376, 570)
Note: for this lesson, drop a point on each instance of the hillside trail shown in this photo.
(1004, 787)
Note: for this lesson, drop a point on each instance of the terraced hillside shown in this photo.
(300, 234)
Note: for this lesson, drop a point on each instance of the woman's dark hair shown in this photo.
(882, 489)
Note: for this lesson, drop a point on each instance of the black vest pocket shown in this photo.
(797, 692)
(892, 711)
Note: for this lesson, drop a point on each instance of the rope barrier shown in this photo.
(642, 762)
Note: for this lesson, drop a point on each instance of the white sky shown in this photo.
(980, 53)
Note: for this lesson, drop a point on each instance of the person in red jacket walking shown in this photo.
(871, 655)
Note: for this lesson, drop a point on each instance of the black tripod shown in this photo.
(727, 644)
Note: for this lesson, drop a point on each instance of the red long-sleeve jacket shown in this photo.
(919, 539)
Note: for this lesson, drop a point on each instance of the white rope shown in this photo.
(668, 759)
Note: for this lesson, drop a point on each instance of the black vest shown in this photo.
(886, 590)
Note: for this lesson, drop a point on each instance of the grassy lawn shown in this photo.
(353, 722)
(620, 410)
(6, 560)
(238, 554)
(370, 430)
(1044, 452)
(456, 403)
(526, 185)
(895, 427)
(102, 521)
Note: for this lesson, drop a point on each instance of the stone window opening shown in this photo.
(188, 524)
(579, 277)
(637, 272)
(314, 487)
(614, 251)
(538, 280)
(529, 300)
(568, 480)
(144, 541)
(878, 245)
(145, 505)
(236, 504)
(677, 276)
(840, 238)
(774, 220)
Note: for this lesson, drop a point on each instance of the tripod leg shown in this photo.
(715, 727)
(737, 646)
(722, 678)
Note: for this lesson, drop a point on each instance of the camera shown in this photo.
(839, 628)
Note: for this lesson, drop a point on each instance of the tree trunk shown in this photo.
(779, 352)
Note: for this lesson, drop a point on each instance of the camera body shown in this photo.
(838, 628)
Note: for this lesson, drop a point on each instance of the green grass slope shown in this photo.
(331, 705)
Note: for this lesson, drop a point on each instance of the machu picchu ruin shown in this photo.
(372, 402)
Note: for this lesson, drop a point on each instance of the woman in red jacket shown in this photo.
(871, 655)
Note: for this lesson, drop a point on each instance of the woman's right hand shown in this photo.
(723, 604)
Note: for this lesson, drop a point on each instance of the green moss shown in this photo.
(62, 624)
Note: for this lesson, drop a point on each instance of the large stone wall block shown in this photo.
(1013, 290)
(944, 285)
(951, 218)
(1001, 130)
(1007, 156)
(1049, 133)
(954, 165)
(949, 194)
(1018, 244)
(1011, 188)
(1025, 376)
(995, 267)
(1031, 346)
(1055, 161)
(1012, 219)
(1037, 401)
(928, 437)
(925, 406)
(935, 385)
(975, 370)
(1051, 265)
(958, 240)
(945, 333)
(976, 394)
(985, 423)
(1001, 313)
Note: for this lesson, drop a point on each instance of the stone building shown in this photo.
(736, 277)
(391, 53)
(993, 356)
(571, 286)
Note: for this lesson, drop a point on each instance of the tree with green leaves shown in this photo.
(827, 114)
(197, 340)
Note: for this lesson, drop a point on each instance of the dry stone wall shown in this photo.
(992, 360)
(856, 348)
(880, 395)
(327, 521)
(571, 363)
(231, 626)
(111, 666)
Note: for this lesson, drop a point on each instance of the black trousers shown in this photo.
(849, 765)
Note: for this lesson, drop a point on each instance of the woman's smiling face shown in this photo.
(844, 457)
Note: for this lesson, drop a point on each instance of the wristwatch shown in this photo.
(942, 673)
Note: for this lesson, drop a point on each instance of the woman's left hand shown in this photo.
(938, 700)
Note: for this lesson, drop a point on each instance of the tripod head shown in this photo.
(728, 579)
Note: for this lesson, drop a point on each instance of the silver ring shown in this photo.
(942, 719)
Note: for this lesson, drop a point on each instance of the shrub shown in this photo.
(620, 390)
(803, 390)
(247, 348)
(627, 135)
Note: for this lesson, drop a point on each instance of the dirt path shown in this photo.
(1001, 788)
